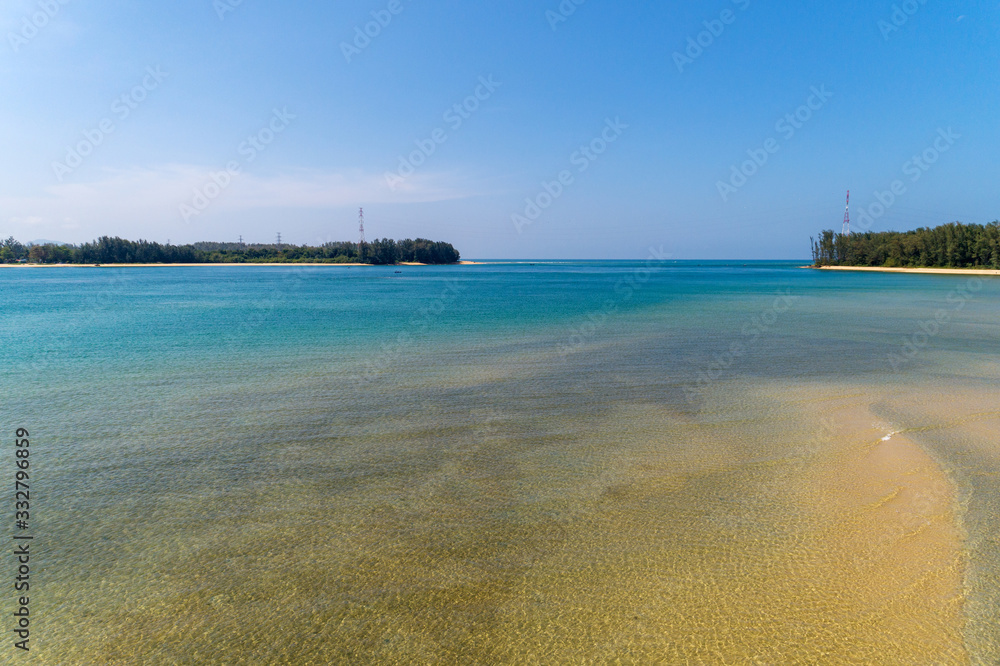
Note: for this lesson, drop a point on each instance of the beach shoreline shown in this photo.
(925, 271)
(274, 263)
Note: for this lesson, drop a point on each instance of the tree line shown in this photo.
(108, 250)
(953, 245)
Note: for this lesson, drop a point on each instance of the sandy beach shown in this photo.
(460, 263)
(929, 271)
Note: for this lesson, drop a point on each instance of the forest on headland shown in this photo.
(953, 245)
(107, 250)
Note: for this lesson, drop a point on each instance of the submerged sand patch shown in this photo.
(645, 534)
(894, 548)
(772, 546)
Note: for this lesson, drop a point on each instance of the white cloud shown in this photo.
(21, 21)
(26, 221)
(314, 189)
(141, 198)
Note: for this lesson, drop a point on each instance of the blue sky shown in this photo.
(592, 130)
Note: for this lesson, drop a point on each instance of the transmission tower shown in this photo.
(361, 227)
(846, 229)
(279, 240)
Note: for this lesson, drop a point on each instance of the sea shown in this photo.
(507, 463)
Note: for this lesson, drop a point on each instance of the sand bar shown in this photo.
(886, 518)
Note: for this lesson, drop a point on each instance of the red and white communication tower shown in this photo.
(846, 229)
(361, 227)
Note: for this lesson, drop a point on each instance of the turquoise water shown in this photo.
(503, 462)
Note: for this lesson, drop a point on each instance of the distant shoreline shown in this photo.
(268, 263)
(928, 271)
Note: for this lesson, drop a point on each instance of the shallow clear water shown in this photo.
(583, 461)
